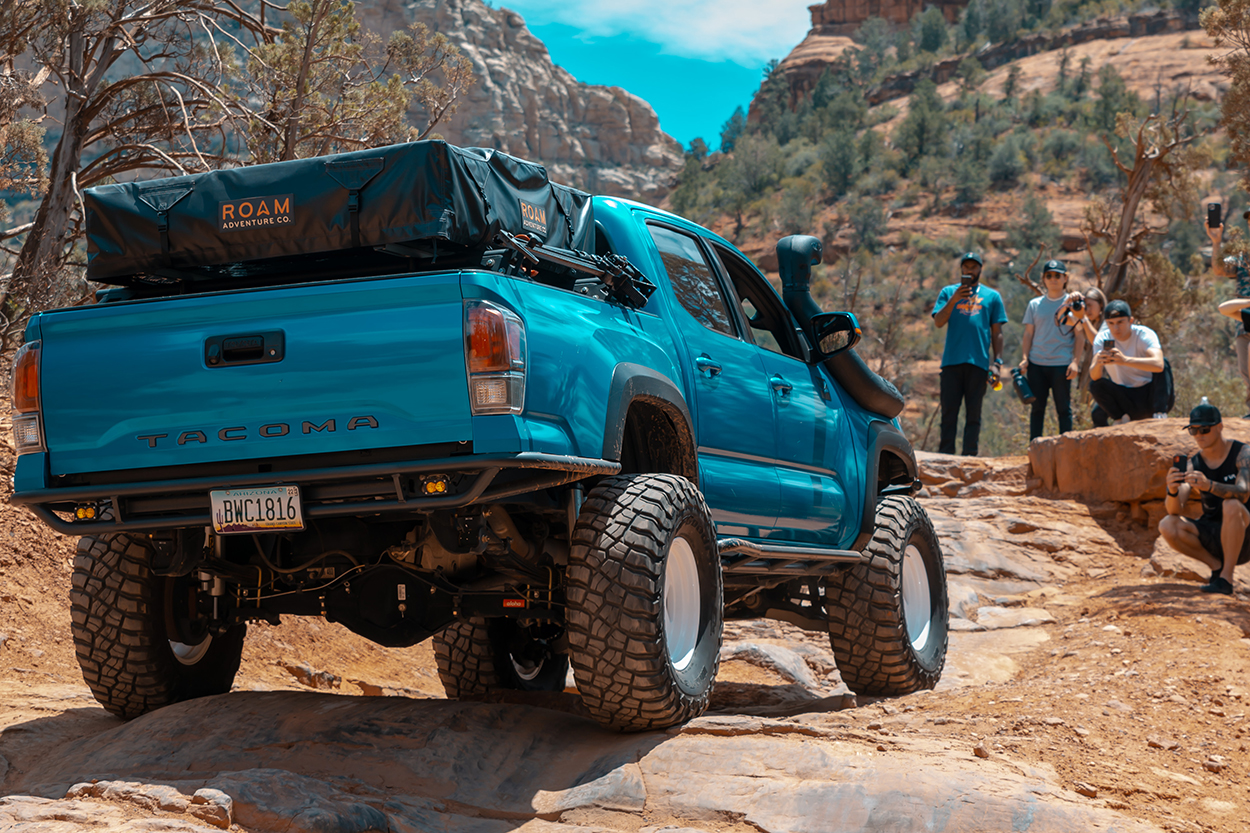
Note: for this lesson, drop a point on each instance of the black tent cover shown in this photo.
(402, 198)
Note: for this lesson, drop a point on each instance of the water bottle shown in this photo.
(1021, 385)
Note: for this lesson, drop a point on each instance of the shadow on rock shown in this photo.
(1177, 600)
(27, 745)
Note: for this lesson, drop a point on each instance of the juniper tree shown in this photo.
(1228, 25)
(160, 86)
(324, 84)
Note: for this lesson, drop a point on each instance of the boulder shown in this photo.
(1124, 463)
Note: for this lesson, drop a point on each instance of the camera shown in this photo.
(1078, 303)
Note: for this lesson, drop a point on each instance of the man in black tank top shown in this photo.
(1220, 474)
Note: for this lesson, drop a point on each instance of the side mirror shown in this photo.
(833, 333)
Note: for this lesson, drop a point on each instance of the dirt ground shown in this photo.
(1136, 694)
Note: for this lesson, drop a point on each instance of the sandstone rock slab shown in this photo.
(997, 618)
(309, 763)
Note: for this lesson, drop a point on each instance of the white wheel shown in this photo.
(190, 654)
(681, 603)
(917, 601)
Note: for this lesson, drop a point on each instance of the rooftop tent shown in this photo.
(333, 214)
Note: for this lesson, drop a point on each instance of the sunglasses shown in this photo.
(1195, 430)
(1054, 275)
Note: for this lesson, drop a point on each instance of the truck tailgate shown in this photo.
(372, 364)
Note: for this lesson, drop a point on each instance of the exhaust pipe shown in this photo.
(796, 255)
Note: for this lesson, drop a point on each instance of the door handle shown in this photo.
(781, 386)
(706, 365)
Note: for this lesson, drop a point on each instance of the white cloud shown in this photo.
(748, 32)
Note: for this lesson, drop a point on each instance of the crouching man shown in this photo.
(1127, 374)
(1220, 474)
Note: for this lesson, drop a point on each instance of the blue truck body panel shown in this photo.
(369, 364)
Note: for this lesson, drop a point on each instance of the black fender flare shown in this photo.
(631, 382)
(882, 436)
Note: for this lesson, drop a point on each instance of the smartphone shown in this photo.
(1179, 461)
(1109, 344)
(967, 280)
(1213, 215)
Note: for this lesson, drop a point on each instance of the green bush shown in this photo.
(1097, 168)
(1007, 163)
(971, 180)
(838, 157)
(795, 214)
(929, 30)
(1059, 149)
(867, 221)
(1034, 228)
(923, 131)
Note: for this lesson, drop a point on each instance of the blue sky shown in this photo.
(693, 61)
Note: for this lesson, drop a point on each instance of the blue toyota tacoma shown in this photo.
(425, 392)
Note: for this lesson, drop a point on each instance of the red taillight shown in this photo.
(494, 345)
(494, 339)
(488, 343)
(26, 378)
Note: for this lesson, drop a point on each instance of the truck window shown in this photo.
(771, 324)
(694, 282)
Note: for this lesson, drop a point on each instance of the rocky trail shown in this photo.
(1089, 686)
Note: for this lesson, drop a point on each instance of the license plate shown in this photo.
(262, 509)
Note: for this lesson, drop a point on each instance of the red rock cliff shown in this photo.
(842, 17)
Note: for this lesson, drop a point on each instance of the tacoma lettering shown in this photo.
(269, 431)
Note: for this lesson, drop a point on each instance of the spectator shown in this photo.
(1239, 307)
(976, 315)
(1126, 376)
(1220, 474)
(1089, 318)
(1051, 350)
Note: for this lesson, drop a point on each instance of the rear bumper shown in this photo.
(342, 491)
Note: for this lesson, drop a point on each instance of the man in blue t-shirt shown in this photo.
(975, 315)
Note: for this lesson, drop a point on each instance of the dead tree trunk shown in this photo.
(1154, 141)
(43, 251)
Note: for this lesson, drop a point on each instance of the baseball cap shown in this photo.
(1055, 266)
(973, 256)
(1117, 309)
(1204, 415)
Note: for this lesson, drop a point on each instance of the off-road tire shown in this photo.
(867, 607)
(473, 661)
(626, 562)
(119, 611)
